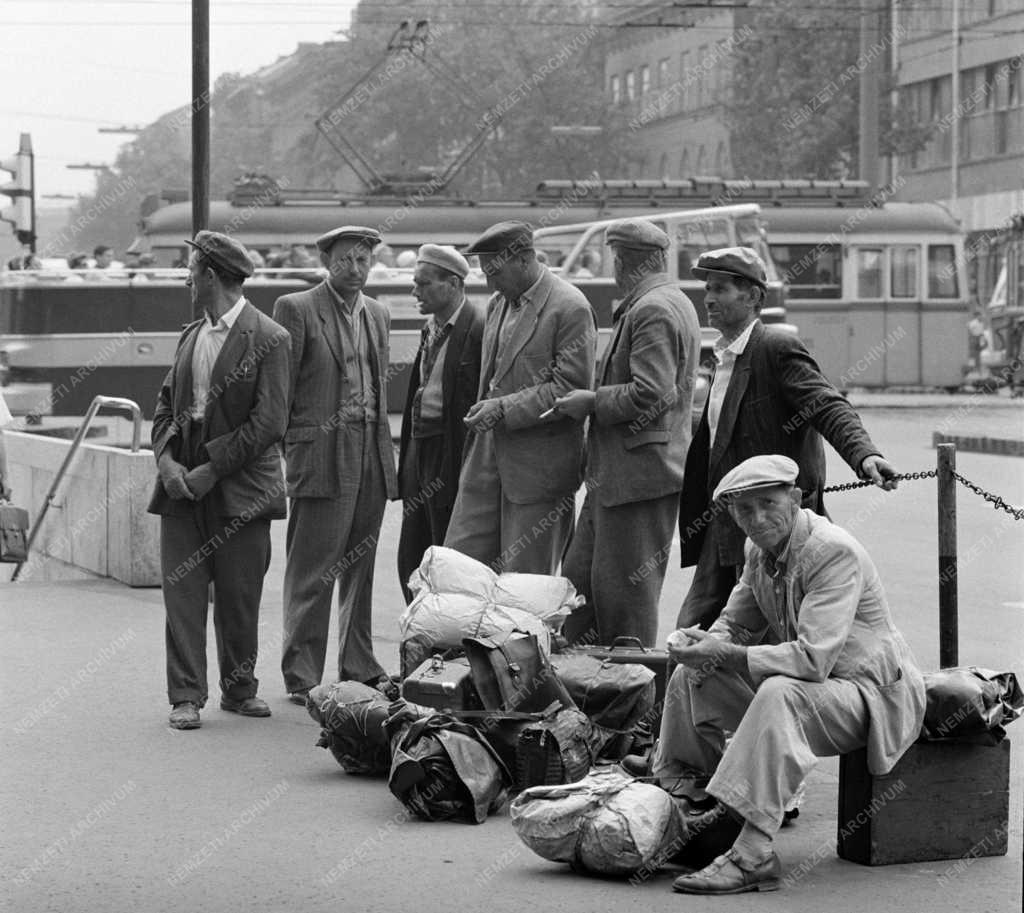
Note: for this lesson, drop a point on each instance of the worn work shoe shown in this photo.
(636, 765)
(184, 715)
(729, 874)
(299, 697)
(250, 706)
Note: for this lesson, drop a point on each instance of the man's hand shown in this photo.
(173, 474)
(200, 480)
(577, 404)
(696, 649)
(484, 415)
(876, 469)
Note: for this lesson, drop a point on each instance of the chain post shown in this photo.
(948, 633)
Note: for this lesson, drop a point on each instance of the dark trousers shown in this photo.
(426, 506)
(710, 589)
(617, 560)
(195, 550)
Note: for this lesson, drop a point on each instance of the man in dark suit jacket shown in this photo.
(768, 396)
(340, 462)
(221, 411)
(443, 387)
(516, 502)
(640, 429)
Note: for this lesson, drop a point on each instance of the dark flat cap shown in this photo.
(223, 250)
(368, 236)
(736, 261)
(505, 236)
(764, 471)
(636, 234)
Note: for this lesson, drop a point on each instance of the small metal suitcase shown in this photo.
(444, 684)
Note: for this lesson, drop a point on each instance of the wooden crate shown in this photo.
(943, 800)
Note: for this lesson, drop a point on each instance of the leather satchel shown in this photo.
(13, 533)
(514, 674)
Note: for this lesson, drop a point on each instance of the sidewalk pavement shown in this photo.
(107, 809)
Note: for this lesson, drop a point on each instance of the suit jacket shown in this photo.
(641, 427)
(316, 458)
(551, 352)
(835, 624)
(460, 379)
(245, 418)
(777, 401)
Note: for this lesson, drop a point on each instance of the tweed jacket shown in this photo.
(834, 622)
(641, 427)
(551, 352)
(316, 458)
(777, 401)
(460, 380)
(245, 418)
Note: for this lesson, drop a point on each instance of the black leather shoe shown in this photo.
(250, 706)
(299, 697)
(636, 765)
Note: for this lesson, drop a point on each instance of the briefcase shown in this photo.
(514, 674)
(444, 684)
(13, 533)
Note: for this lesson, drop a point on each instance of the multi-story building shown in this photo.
(669, 67)
(982, 179)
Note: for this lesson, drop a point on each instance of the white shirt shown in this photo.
(5, 414)
(209, 342)
(726, 356)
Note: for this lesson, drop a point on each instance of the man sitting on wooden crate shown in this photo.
(804, 662)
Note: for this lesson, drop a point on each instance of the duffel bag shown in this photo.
(352, 717)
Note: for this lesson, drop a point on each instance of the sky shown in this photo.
(69, 68)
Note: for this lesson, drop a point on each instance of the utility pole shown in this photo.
(954, 126)
(870, 63)
(200, 120)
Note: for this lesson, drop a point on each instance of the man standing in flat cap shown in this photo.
(516, 502)
(339, 461)
(804, 663)
(445, 378)
(221, 411)
(640, 430)
(768, 395)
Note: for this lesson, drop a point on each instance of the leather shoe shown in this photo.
(250, 706)
(388, 685)
(299, 697)
(729, 874)
(708, 834)
(636, 765)
(184, 715)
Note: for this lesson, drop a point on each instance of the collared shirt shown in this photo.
(431, 392)
(358, 391)
(512, 313)
(777, 570)
(726, 356)
(209, 342)
(353, 317)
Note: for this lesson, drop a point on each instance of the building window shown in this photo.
(684, 164)
(615, 88)
(702, 77)
(630, 85)
(645, 79)
(663, 73)
(684, 82)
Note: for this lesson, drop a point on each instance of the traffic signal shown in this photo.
(22, 213)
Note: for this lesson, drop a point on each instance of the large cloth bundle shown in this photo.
(969, 704)
(352, 717)
(444, 769)
(606, 824)
(456, 596)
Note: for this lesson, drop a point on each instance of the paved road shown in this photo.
(106, 809)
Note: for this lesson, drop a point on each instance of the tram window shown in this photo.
(942, 281)
(903, 266)
(811, 270)
(869, 272)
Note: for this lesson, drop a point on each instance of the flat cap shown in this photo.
(736, 261)
(636, 234)
(757, 472)
(444, 257)
(368, 236)
(223, 250)
(505, 236)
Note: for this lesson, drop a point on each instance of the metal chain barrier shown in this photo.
(997, 502)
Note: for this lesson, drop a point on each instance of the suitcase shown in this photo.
(444, 684)
(631, 650)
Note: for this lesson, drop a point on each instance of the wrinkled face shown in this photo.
(199, 280)
(766, 515)
(432, 288)
(348, 261)
(729, 308)
(504, 272)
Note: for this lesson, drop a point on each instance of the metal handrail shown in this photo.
(98, 402)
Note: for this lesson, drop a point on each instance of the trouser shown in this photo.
(486, 525)
(709, 591)
(426, 511)
(617, 560)
(780, 729)
(334, 539)
(196, 549)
